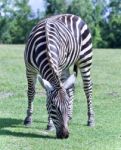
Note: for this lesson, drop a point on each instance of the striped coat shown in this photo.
(55, 44)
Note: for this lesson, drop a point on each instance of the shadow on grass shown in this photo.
(22, 134)
(10, 122)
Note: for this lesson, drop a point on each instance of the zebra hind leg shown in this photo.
(50, 125)
(31, 78)
(88, 92)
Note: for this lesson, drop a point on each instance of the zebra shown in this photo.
(55, 44)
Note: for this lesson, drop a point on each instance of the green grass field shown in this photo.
(106, 135)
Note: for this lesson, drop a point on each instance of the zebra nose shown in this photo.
(63, 134)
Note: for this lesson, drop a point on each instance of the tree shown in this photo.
(55, 7)
(83, 9)
(20, 25)
(112, 32)
(115, 6)
(112, 28)
(98, 15)
(91, 12)
(5, 11)
(16, 21)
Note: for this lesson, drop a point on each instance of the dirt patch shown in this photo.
(5, 95)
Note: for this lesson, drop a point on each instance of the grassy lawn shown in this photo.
(106, 135)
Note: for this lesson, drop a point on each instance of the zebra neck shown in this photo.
(49, 71)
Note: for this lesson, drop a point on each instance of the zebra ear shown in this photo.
(70, 81)
(45, 84)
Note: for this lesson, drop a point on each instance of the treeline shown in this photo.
(102, 16)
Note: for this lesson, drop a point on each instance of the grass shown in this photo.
(106, 135)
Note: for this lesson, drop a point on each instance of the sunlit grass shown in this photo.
(106, 135)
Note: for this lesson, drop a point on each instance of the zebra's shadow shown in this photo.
(6, 125)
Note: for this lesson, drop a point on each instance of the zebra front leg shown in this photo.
(88, 92)
(70, 93)
(50, 125)
(31, 78)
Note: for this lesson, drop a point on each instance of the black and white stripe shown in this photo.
(53, 46)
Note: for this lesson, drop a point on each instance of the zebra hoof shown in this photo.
(70, 118)
(90, 124)
(28, 121)
(50, 128)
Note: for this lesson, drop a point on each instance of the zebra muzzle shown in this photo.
(63, 134)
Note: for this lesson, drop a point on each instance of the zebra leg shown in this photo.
(85, 72)
(31, 78)
(64, 76)
(70, 93)
(50, 125)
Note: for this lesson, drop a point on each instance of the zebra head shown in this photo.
(58, 105)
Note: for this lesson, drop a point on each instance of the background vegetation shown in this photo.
(104, 20)
(102, 16)
(106, 135)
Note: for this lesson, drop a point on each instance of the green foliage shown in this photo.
(106, 135)
(79, 8)
(111, 30)
(19, 27)
(97, 39)
(4, 34)
(55, 7)
(102, 16)
(91, 13)
(15, 21)
(115, 6)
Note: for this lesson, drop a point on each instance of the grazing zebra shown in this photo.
(53, 46)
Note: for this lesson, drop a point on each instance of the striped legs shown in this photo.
(70, 91)
(31, 78)
(50, 125)
(85, 72)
